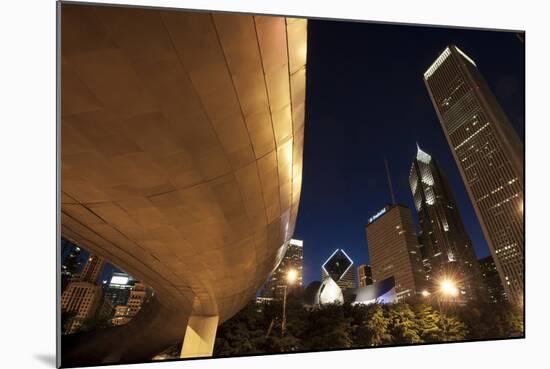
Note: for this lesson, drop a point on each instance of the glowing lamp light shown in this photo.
(291, 276)
(425, 293)
(448, 288)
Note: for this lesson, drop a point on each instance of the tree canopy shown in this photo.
(256, 329)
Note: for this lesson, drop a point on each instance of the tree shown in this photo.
(429, 325)
(327, 328)
(454, 329)
(376, 325)
(403, 325)
(242, 334)
(337, 326)
(488, 320)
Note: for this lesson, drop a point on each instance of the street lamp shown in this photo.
(291, 277)
(446, 290)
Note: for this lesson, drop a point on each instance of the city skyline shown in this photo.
(352, 173)
(377, 180)
(201, 203)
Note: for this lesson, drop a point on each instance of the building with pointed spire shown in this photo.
(489, 156)
(446, 248)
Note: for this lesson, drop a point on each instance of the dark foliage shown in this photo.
(257, 328)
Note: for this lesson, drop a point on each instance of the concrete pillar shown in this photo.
(200, 336)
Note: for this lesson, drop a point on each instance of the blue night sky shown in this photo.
(366, 100)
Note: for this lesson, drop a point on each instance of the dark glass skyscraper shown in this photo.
(339, 267)
(491, 281)
(71, 263)
(446, 248)
(489, 155)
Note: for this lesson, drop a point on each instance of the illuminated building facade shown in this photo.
(71, 264)
(446, 248)
(125, 313)
(364, 275)
(92, 269)
(328, 292)
(121, 315)
(393, 250)
(381, 292)
(489, 155)
(491, 281)
(339, 268)
(293, 260)
(118, 290)
(81, 299)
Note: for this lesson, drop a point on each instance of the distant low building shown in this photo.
(125, 313)
(121, 315)
(328, 292)
(382, 292)
(263, 300)
(364, 275)
(119, 288)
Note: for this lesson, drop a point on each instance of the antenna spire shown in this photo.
(389, 181)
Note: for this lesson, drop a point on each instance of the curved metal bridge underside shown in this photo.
(181, 156)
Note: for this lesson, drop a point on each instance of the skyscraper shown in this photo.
(71, 264)
(393, 250)
(339, 267)
(445, 245)
(83, 297)
(81, 300)
(489, 155)
(92, 269)
(491, 280)
(364, 275)
(292, 261)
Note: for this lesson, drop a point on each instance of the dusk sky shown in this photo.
(366, 100)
